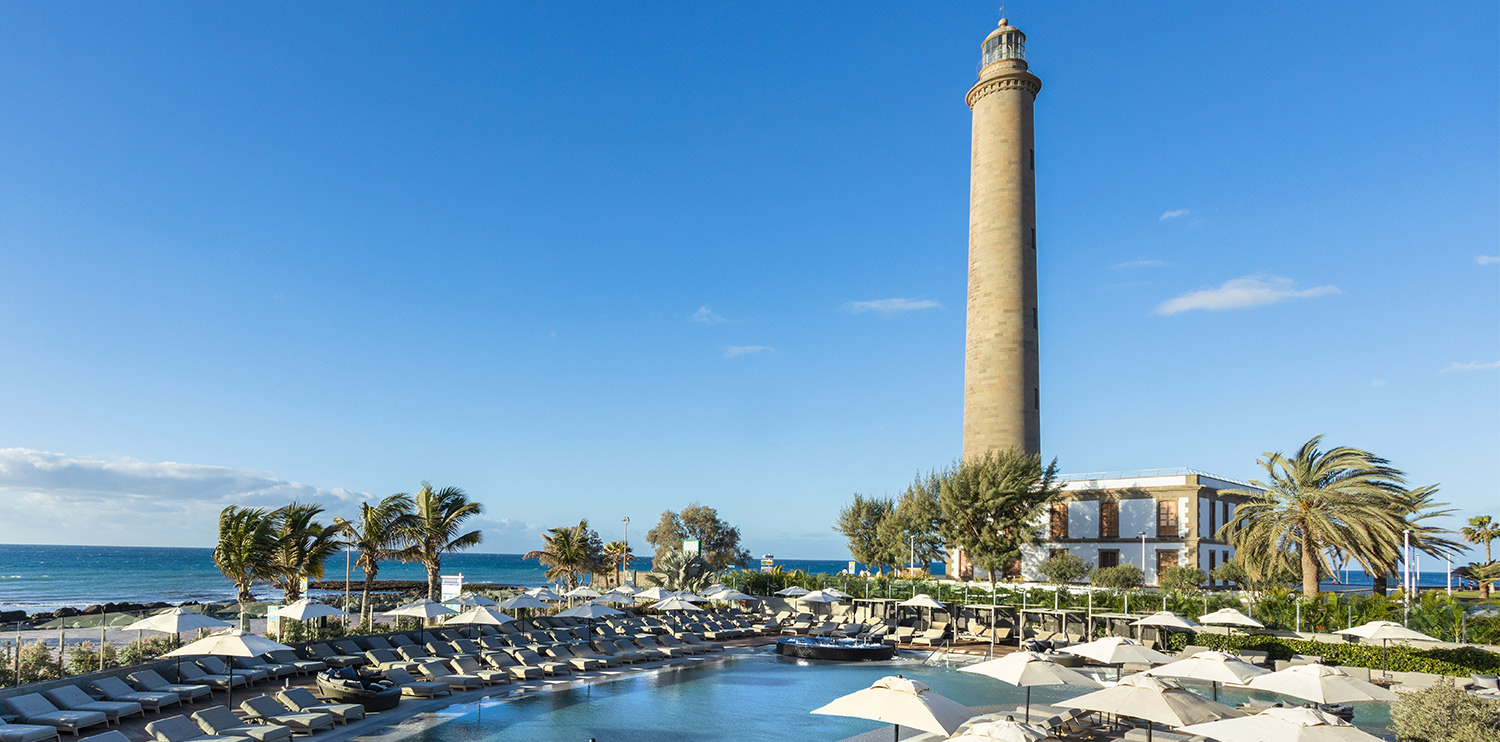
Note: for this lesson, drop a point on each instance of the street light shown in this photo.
(625, 558)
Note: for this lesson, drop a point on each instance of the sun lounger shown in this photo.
(275, 670)
(334, 659)
(33, 708)
(216, 666)
(903, 634)
(469, 665)
(401, 640)
(647, 643)
(437, 672)
(73, 698)
(268, 710)
(113, 735)
(688, 637)
(192, 673)
(288, 657)
(410, 686)
(179, 729)
(503, 661)
(415, 654)
(530, 658)
(667, 641)
(561, 653)
(349, 647)
(219, 720)
(303, 700)
(652, 653)
(384, 659)
(441, 650)
(584, 649)
(29, 733)
(931, 636)
(149, 680)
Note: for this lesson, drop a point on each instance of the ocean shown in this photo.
(43, 578)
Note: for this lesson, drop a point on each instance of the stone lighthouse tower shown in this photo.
(1002, 391)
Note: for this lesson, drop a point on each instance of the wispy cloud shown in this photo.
(707, 316)
(1471, 366)
(1243, 293)
(1487, 259)
(50, 497)
(1174, 214)
(1141, 263)
(1377, 383)
(890, 306)
(746, 350)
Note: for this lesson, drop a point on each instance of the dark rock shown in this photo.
(12, 616)
(65, 612)
(93, 610)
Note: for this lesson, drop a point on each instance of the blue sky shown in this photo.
(599, 259)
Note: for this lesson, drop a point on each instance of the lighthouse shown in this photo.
(1002, 388)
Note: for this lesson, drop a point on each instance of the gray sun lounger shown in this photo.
(149, 680)
(115, 689)
(518, 671)
(268, 710)
(33, 708)
(28, 733)
(302, 699)
(179, 729)
(438, 672)
(73, 698)
(220, 720)
(288, 657)
(410, 686)
(193, 673)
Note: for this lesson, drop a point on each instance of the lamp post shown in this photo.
(625, 558)
(1406, 564)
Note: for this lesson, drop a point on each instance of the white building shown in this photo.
(1153, 519)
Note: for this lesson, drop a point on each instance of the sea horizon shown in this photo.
(44, 577)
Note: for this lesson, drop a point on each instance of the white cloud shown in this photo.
(746, 350)
(1243, 293)
(1141, 263)
(890, 306)
(707, 316)
(1487, 259)
(1377, 383)
(1471, 366)
(1174, 214)
(50, 497)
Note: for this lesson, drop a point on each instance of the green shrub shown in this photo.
(84, 658)
(1444, 713)
(1064, 568)
(1122, 577)
(37, 664)
(1456, 662)
(1182, 578)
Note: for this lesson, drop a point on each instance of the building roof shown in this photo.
(1149, 478)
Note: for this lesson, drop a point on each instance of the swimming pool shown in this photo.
(757, 696)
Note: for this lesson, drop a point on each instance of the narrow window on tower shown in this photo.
(1034, 321)
(1033, 238)
(1036, 398)
(1033, 160)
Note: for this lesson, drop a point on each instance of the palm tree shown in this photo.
(301, 546)
(1481, 531)
(377, 535)
(1415, 508)
(678, 570)
(1343, 499)
(617, 554)
(438, 516)
(569, 553)
(243, 551)
(1485, 574)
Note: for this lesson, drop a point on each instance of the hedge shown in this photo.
(1456, 662)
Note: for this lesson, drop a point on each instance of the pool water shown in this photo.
(761, 696)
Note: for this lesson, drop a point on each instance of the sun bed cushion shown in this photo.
(410, 686)
(302, 699)
(109, 736)
(32, 708)
(27, 733)
(271, 711)
(179, 729)
(220, 720)
(73, 698)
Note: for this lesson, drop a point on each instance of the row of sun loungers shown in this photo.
(449, 660)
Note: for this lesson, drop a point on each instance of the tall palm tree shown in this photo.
(301, 546)
(569, 553)
(377, 534)
(1343, 499)
(617, 555)
(437, 518)
(243, 551)
(1481, 531)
